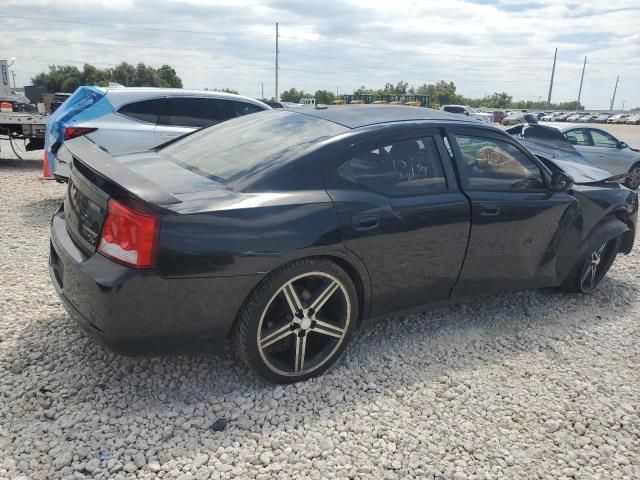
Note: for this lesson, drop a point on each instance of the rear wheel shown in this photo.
(298, 321)
(633, 178)
(593, 268)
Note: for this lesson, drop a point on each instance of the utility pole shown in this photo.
(623, 102)
(277, 52)
(336, 92)
(13, 74)
(613, 99)
(584, 65)
(553, 73)
(262, 90)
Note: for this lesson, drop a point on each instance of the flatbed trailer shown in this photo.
(28, 128)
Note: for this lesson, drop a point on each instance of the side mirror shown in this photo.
(560, 182)
(466, 113)
(622, 145)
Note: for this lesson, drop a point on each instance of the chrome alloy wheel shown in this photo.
(633, 178)
(594, 268)
(304, 324)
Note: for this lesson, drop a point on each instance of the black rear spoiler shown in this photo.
(100, 162)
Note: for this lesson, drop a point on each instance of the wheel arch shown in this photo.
(353, 267)
(613, 225)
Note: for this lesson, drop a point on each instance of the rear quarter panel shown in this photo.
(254, 235)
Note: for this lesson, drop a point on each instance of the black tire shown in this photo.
(270, 338)
(583, 280)
(633, 181)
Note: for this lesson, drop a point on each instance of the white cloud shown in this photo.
(506, 45)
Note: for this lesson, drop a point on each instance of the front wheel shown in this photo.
(633, 178)
(593, 268)
(298, 321)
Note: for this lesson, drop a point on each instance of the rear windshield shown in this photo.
(249, 144)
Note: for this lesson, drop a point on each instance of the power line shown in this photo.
(293, 37)
(137, 27)
(393, 64)
(416, 52)
(206, 67)
(103, 44)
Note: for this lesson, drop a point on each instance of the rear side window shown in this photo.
(251, 145)
(577, 137)
(244, 108)
(144, 110)
(454, 109)
(408, 167)
(195, 112)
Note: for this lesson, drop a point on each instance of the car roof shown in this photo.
(355, 116)
(121, 95)
(563, 127)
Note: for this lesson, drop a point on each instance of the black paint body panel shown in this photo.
(217, 242)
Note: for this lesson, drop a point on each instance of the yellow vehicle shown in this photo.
(415, 103)
(357, 102)
(339, 102)
(380, 102)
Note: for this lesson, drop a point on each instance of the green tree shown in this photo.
(292, 95)
(66, 78)
(169, 77)
(497, 100)
(226, 90)
(324, 96)
(440, 92)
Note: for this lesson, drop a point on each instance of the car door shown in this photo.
(401, 212)
(522, 234)
(181, 115)
(604, 151)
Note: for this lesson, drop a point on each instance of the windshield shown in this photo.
(249, 144)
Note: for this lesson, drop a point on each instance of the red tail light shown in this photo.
(130, 234)
(73, 132)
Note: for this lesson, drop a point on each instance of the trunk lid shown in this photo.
(146, 176)
(85, 208)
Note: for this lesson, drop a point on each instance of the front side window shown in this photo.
(603, 140)
(144, 110)
(409, 167)
(195, 112)
(577, 137)
(490, 164)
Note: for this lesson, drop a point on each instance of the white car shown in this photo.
(469, 112)
(123, 120)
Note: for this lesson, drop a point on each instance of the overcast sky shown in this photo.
(481, 45)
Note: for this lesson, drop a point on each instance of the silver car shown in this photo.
(604, 150)
(124, 120)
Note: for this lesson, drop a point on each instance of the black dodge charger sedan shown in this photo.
(284, 231)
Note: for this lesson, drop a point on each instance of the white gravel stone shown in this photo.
(551, 426)
(535, 384)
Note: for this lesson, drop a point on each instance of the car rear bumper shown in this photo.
(138, 311)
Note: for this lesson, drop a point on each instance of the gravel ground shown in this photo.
(536, 384)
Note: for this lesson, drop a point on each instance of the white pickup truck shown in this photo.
(469, 112)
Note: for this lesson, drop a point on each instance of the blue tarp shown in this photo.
(73, 111)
